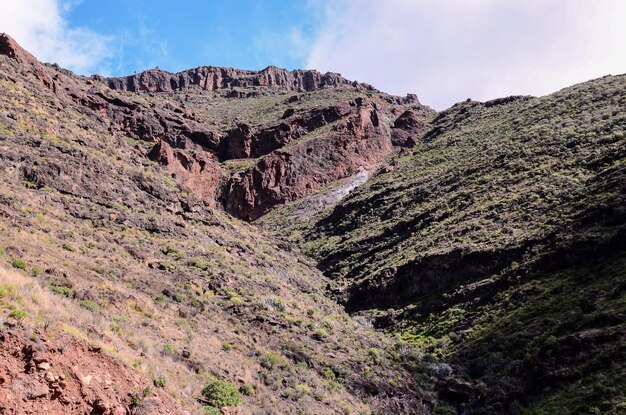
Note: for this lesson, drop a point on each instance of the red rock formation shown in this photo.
(358, 141)
(245, 142)
(190, 150)
(199, 173)
(64, 375)
(406, 127)
(212, 78)
(10, 48)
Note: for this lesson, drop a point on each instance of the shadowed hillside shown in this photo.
(497, 245)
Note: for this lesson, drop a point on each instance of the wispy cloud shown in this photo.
(40, 27)
(449, 50)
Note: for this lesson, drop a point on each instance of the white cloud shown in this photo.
(40, 27)
(450, 50)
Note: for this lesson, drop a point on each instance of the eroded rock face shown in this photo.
(359, 140)
(398, 285)
(237, 144)
(67, 376)
(243, 141)
(213, 78)
(199, 173)
(406, 128)
(10, 48)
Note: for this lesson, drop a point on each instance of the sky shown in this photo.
(444, 51)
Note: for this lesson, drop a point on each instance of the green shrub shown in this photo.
(375, 355)
(320, 334)
(332, 386)
(302, 390)
(219, 393)
(68, 292)
(19, 263)
(19, 315)
(69, 247)
(173, 252)
(211, 410)
(160, 381)
(89, 305)
(271, 360)
(169, 348)
(247, 389)
(444, 409)
(275, 303)
(6, 290)
(139, 395)
(200, 264)
(328, 373)
(236, 300)
(593, 410)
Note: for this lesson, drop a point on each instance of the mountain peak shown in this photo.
(10, 48)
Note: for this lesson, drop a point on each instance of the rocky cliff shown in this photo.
(211, 78)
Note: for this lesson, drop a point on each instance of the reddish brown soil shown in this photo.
(65, 376)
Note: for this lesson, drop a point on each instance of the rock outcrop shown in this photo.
(406, 128)
(198, 172)
(67, 376)
(212, 78)
(10, 48)
(358, 140)
(244, 142)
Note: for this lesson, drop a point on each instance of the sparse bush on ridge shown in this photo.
(68, 292)
(90, 305)
(19, 263)
(19, 315)
(219, 393)
(272, 360)
(160, 381)
(69, 247)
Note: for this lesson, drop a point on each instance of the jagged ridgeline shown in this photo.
(479, 252)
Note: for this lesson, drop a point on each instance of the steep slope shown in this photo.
(166, 282)
(48, 371)
(498, 245)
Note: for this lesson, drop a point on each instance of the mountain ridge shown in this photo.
(214, 78)
(203, 237)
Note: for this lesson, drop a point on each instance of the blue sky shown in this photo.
(445, 51)
(178, 35)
